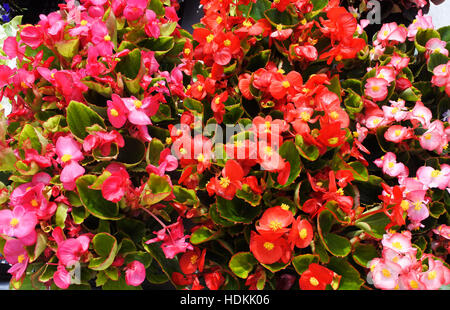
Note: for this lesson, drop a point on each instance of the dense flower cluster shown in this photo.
(275, 147)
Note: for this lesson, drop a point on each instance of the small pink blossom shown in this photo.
(384, 274)
(69, 153)
(18, 222)
(390, 166)
(434, 178)
(152, 24)
(173, 239)
(398, 62)
(62, 277)
(420, 114)
(436, 276)
(376, 88)
(103, 141)
(443, 231)
(167, 162)
(435, 45)
(16, 254)
(116, 185)
(134, 9)
(135, 273)
(398, 133)
(398, 242)
(420, 22)
(396, 111)
(71, 250)
(393, 33)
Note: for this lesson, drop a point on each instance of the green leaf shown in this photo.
(40, 245)
(61, 214)
(363, 253)
(133, 152)
(203, 234)
(93, 200)
(130, 64)
(423, 36)
(120, 284)
(351, 279)
(193, 105)
(156, 189)
(168, 266)
(68, 48)
(242, 263)
(309, 152)
(409, 94)
(275, 267)
(143, 257)
(80, 117)
(257, 9)
(245, 193)
(167, 29)
(157, 7)
(290, 152)
(161, 45)
(335, 244)
(105, 245)
(302, 262)
(185, 196)
(353, 103)
(374, 224)
(284, 18)
(437, 208)
(37, 141)
(435, 60)
(237, 210)
(319, 4)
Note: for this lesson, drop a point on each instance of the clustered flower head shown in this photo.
(274, 147)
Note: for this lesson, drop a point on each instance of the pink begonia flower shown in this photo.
(171, 14)
(398, 133)
(390, 166)
(399, 242)
(69, 153)
(435, 45)
(101, 39)
(116, 185)
(117, 111)
(385, 72)
(410, 281)
(151, 24)
(5, 73)
(420, 22)
(391, 32)
(420, 114)
(441, 77)
(134, 273)
(30, 196)
(384, 274)
(103, 141)
(376, 88)
(398, 62)
(71, 250)
(62, 277)
(167, 162)
(418, 210)
(436, 276)
(150, 62)
(134, 9)
(434, 178)
(396, 111)
(406, 261)
(435, 138)
(139, 111)
(17, 223)
(16, 254)
(443, 231)
(12, 49)
(32, 36)
(173, 239)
